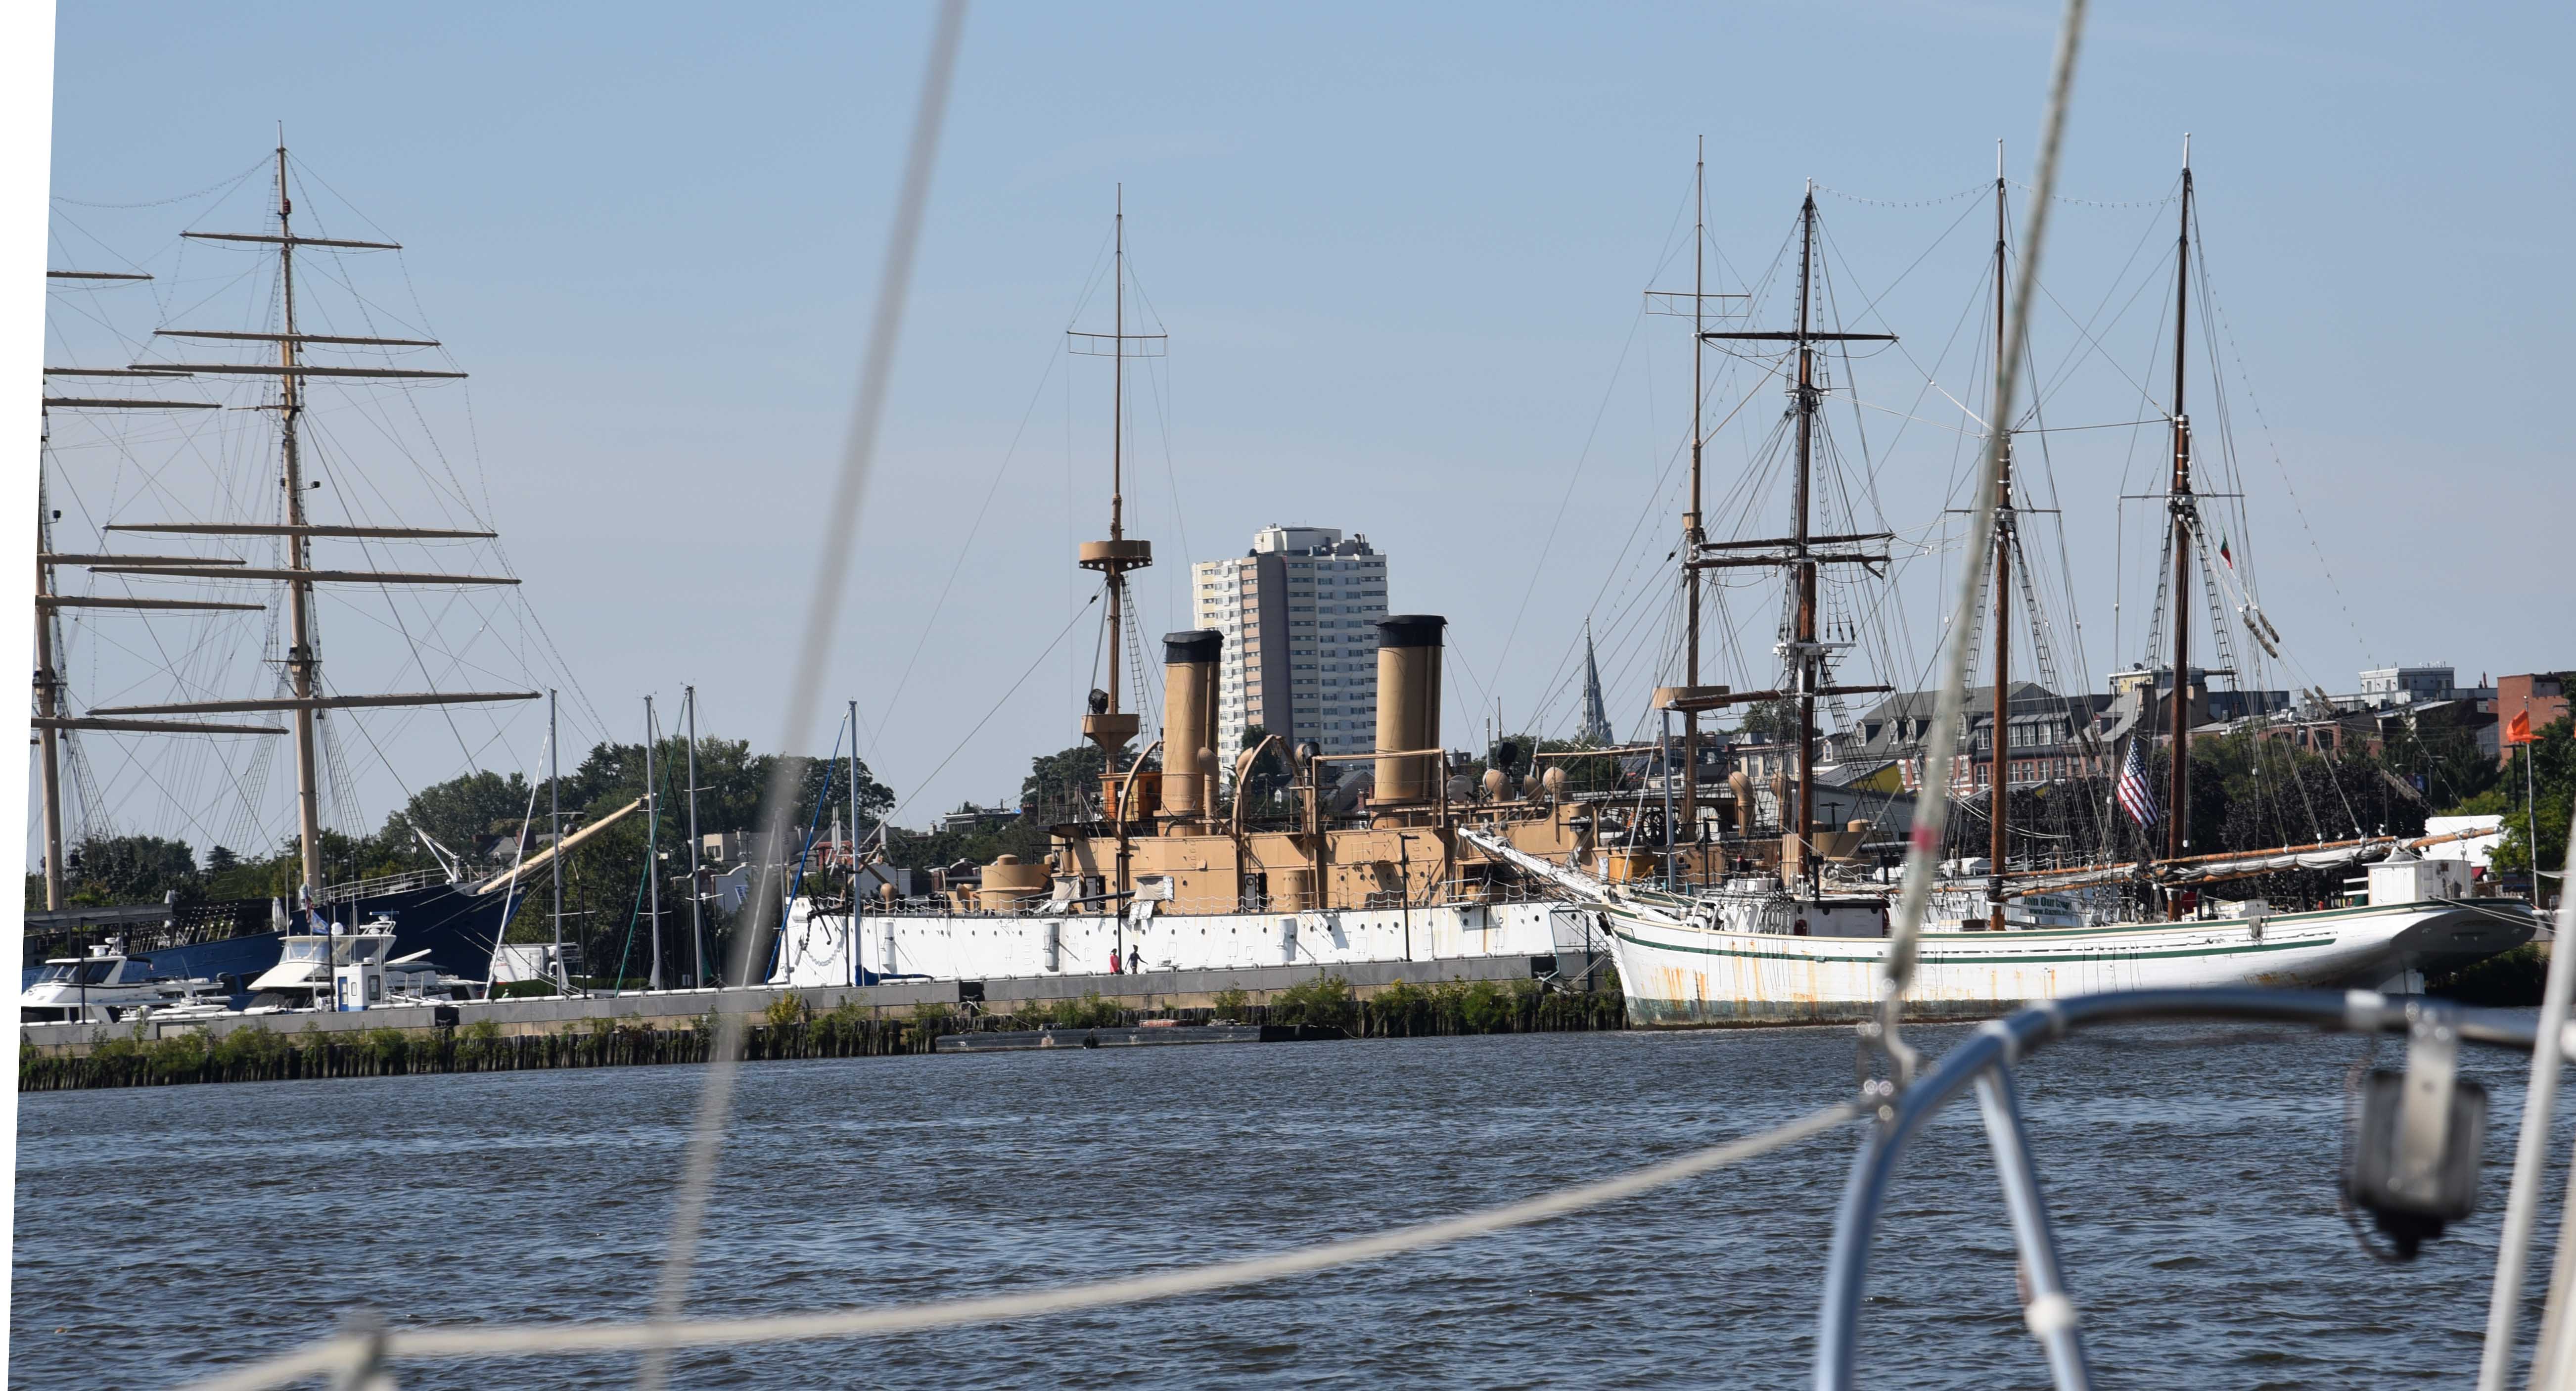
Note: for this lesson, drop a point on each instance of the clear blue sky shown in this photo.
(1399, 254)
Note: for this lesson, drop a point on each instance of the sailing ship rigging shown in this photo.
(1108, 723)
(1415, 859)
(55, 727)
(1999, 804)
(292, 588)
(1693, 948)
(307, 700)
(1803, 554)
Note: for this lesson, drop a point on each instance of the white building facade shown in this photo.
(2387, 686)
(1299, 613)
(2405, 685)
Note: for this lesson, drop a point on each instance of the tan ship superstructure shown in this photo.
(1164, 836)
(1388, 856)
(1170, 837)
(1714, 902)
(1170, 876)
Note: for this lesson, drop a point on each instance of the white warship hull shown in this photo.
(1679, 974)
(829, 949)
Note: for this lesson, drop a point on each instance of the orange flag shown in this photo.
(2518, 729)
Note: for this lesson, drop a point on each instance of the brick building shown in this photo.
(2542, 695)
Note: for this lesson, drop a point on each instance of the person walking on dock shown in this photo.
(1135, 958)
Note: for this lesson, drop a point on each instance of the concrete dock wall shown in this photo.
(681, 1009)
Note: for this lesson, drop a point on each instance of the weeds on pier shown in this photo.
(1406, 1010)
(1324, 1002)
(788, 1029)
(1089, 1012)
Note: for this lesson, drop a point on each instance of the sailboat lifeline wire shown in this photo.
(814, 649)
(1905, 937)
(527, 1340)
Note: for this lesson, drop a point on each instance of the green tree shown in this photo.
(818, 778)
(1024, 836)
(130, 869)
(455, 812)
(268, 876)
(1058, 783)
(731, 782)
(2442, 759)
(1777, 719)
(1267, 780)
(605, 893)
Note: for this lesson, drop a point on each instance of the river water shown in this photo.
(165, 1234)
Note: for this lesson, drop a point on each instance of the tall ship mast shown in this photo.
(1802, 555)
(306, 700)
(1693, 531)
(1108, 723)
(1999, 571)
(458, 933)
(2185, 515)
(57, 729)
(1399, 857)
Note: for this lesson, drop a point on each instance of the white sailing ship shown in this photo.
(1706, 918)
(1805, 942)
(1753, 954)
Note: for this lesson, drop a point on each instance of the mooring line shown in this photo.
(344, 1352)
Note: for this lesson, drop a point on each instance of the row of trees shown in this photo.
(2247, 794)
(482, 820)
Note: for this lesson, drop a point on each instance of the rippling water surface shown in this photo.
(164, 1234)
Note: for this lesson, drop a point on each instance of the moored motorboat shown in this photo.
(106, 986)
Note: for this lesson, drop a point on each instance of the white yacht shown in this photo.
(106, 986)
(354, 970)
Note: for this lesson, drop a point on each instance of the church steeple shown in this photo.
(1596, 716)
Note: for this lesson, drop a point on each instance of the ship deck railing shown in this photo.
(144, 928)
(1987, 1063)
(1455, 893)
(406, 882)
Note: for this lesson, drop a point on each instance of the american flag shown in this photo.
(2135, 795)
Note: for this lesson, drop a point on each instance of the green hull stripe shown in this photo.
(2053, 959)
(2273, 919)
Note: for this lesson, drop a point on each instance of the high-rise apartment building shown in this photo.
(1299, 612)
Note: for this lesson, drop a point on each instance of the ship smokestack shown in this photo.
(1408, 706)
(1189, 719)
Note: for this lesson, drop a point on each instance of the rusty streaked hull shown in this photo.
(1677, 975)
(823, 948)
